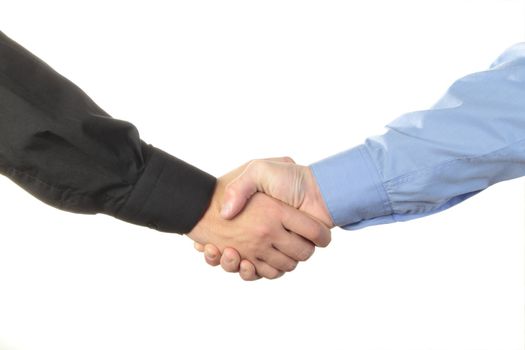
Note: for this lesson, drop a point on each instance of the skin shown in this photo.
(280, 178)
(268, 233)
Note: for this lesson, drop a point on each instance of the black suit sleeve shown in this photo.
(57, 144)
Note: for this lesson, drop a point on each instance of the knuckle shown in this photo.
(328, 238)
(263, 232)
(271, 275)
(229, 267)
(306, 253)
(318, 234)
(280, 274)
(247, 275)
(322, 237)
(247, 278)
(226, 267)
(291, 266)
(212, 262)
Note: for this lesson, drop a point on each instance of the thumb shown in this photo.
(237, 193)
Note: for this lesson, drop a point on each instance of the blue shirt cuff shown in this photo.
(352, 189)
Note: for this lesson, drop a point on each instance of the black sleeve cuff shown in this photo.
(170, 196)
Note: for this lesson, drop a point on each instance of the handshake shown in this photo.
(263, 234)
(269, 214)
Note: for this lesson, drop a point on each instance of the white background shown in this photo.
(218, 83)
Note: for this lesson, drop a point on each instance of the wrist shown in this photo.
(170, 195)
(314, 202)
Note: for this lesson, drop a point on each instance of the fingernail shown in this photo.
(226, 209)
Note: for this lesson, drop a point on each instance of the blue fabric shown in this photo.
(431, 160)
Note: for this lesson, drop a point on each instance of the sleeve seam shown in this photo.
(323, 190)
(408, 176)
(387, 204)
(61, 189)
(144, 203)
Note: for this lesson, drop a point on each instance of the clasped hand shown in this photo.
(263, 219)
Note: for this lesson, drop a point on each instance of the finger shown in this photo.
(266, 271)
(248, 272)
(212, 255)
(237, 193)
(242, 188)
(295, 246)
(279, 260)
(230, 260)
(199, 247)
(306, 226)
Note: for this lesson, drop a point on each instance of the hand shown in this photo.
(270, 234)
(280, 178)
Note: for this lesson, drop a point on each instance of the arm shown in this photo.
(426, 162)
(429, 161)
(57, 144)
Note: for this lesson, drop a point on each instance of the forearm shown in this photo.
(56, 143)
(430, 160)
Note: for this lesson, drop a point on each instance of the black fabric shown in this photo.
(57, 144)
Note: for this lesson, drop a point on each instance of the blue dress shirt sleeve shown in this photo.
(431, 160)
